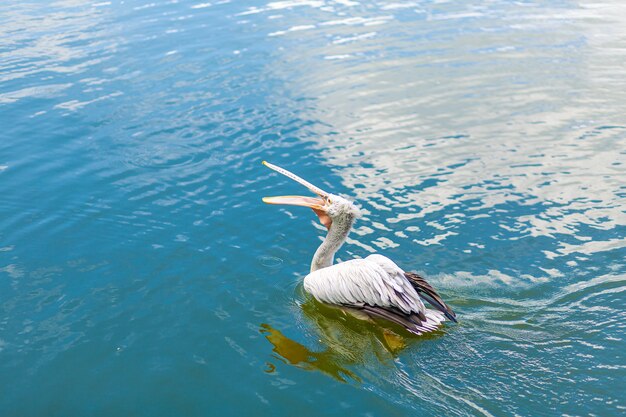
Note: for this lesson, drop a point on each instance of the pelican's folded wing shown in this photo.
(360, 281)
(378, 290)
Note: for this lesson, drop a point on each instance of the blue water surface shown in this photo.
(141, 275)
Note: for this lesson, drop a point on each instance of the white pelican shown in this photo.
(374, 286)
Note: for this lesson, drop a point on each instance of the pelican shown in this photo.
(374, 287)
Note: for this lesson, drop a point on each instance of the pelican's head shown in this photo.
(328, 207)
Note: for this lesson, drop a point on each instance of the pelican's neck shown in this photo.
(337, 234)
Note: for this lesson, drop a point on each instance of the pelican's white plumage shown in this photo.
(364, 281)
(375, 285)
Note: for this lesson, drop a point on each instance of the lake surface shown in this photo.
(140, 273)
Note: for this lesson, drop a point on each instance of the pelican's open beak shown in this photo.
(318, 204)
(296, 200)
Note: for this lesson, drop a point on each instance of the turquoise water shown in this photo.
(141, 275)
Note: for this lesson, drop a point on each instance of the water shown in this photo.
(140, 274)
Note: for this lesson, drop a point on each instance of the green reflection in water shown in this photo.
(348, 341)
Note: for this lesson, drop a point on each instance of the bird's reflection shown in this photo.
(348, 341)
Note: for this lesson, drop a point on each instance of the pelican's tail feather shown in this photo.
(428, 293)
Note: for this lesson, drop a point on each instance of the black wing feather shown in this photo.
(410, 322)
(428, 293)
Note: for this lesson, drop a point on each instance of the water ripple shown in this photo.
(482, 141)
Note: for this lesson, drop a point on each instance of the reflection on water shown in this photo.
(300, 356)
(484, 141)
(511, 131)
(346, 341)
